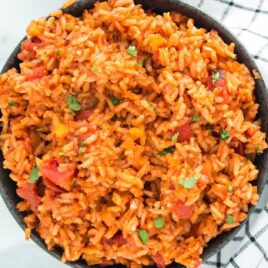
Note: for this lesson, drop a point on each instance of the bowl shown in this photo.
(8, 187)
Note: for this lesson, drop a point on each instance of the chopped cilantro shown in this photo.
(196, 118)
(159, 223)
(132, 51)
(168, 150)
(188, 183)
(174, 138)
(73, 105)
(57, 53)
(34, 175)
(11, 103)
(115, 101)
(225, 135)
(215, 77)
(230, 219)
(144, 236)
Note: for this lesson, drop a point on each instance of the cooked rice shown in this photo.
(159, 99)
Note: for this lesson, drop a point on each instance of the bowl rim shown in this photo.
(203, 20)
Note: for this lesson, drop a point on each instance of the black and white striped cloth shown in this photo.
(248, 20)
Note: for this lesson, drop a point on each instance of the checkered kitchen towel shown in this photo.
(248, 20)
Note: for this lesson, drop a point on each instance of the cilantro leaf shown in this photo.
(188, 183)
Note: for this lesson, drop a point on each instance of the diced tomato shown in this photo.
(21, 56)
(183, 211)
(131, 242)
(82, 213)
(37, 41)
(151, 232)
(82, 115)
(185, 132)
(27, 144)
(223, 93)
(219, 83)
(28, 45)
(29, 192)
(156, 55)
(119, 240)
(36, 73)
(50, 171)
(87, 134)
(210, 84)
(159, 261)
(53, 187)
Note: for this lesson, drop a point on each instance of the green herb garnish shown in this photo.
(225, 135)
(188, 183)
(230, 219)
(230, 188)
(94, 69)
(132, 51)
(34, 175)
(73, 105)
(208, 127)
(11, 103)
(152, 104)
(141, 63)
(174, 138)
(144, 236)
(196, 118)
(168, 150)
(159, 223)
(57, 53)
(83, 144)
(115, 101)
(215, 77)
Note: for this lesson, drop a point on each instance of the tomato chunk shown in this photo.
(82, 115)
(220, 85)
(53, 187)
(223, 93)
(29, 192)
(185, 132)
(156, 55)
(27, 144)
(183, 211)
(87, 134)
(29, 44)
(36, 73)
(50, 171)
(219, 80)
(159, 261)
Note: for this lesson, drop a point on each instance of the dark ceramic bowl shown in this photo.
(8, 187)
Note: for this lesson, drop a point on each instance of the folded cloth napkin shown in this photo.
(247, 20)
